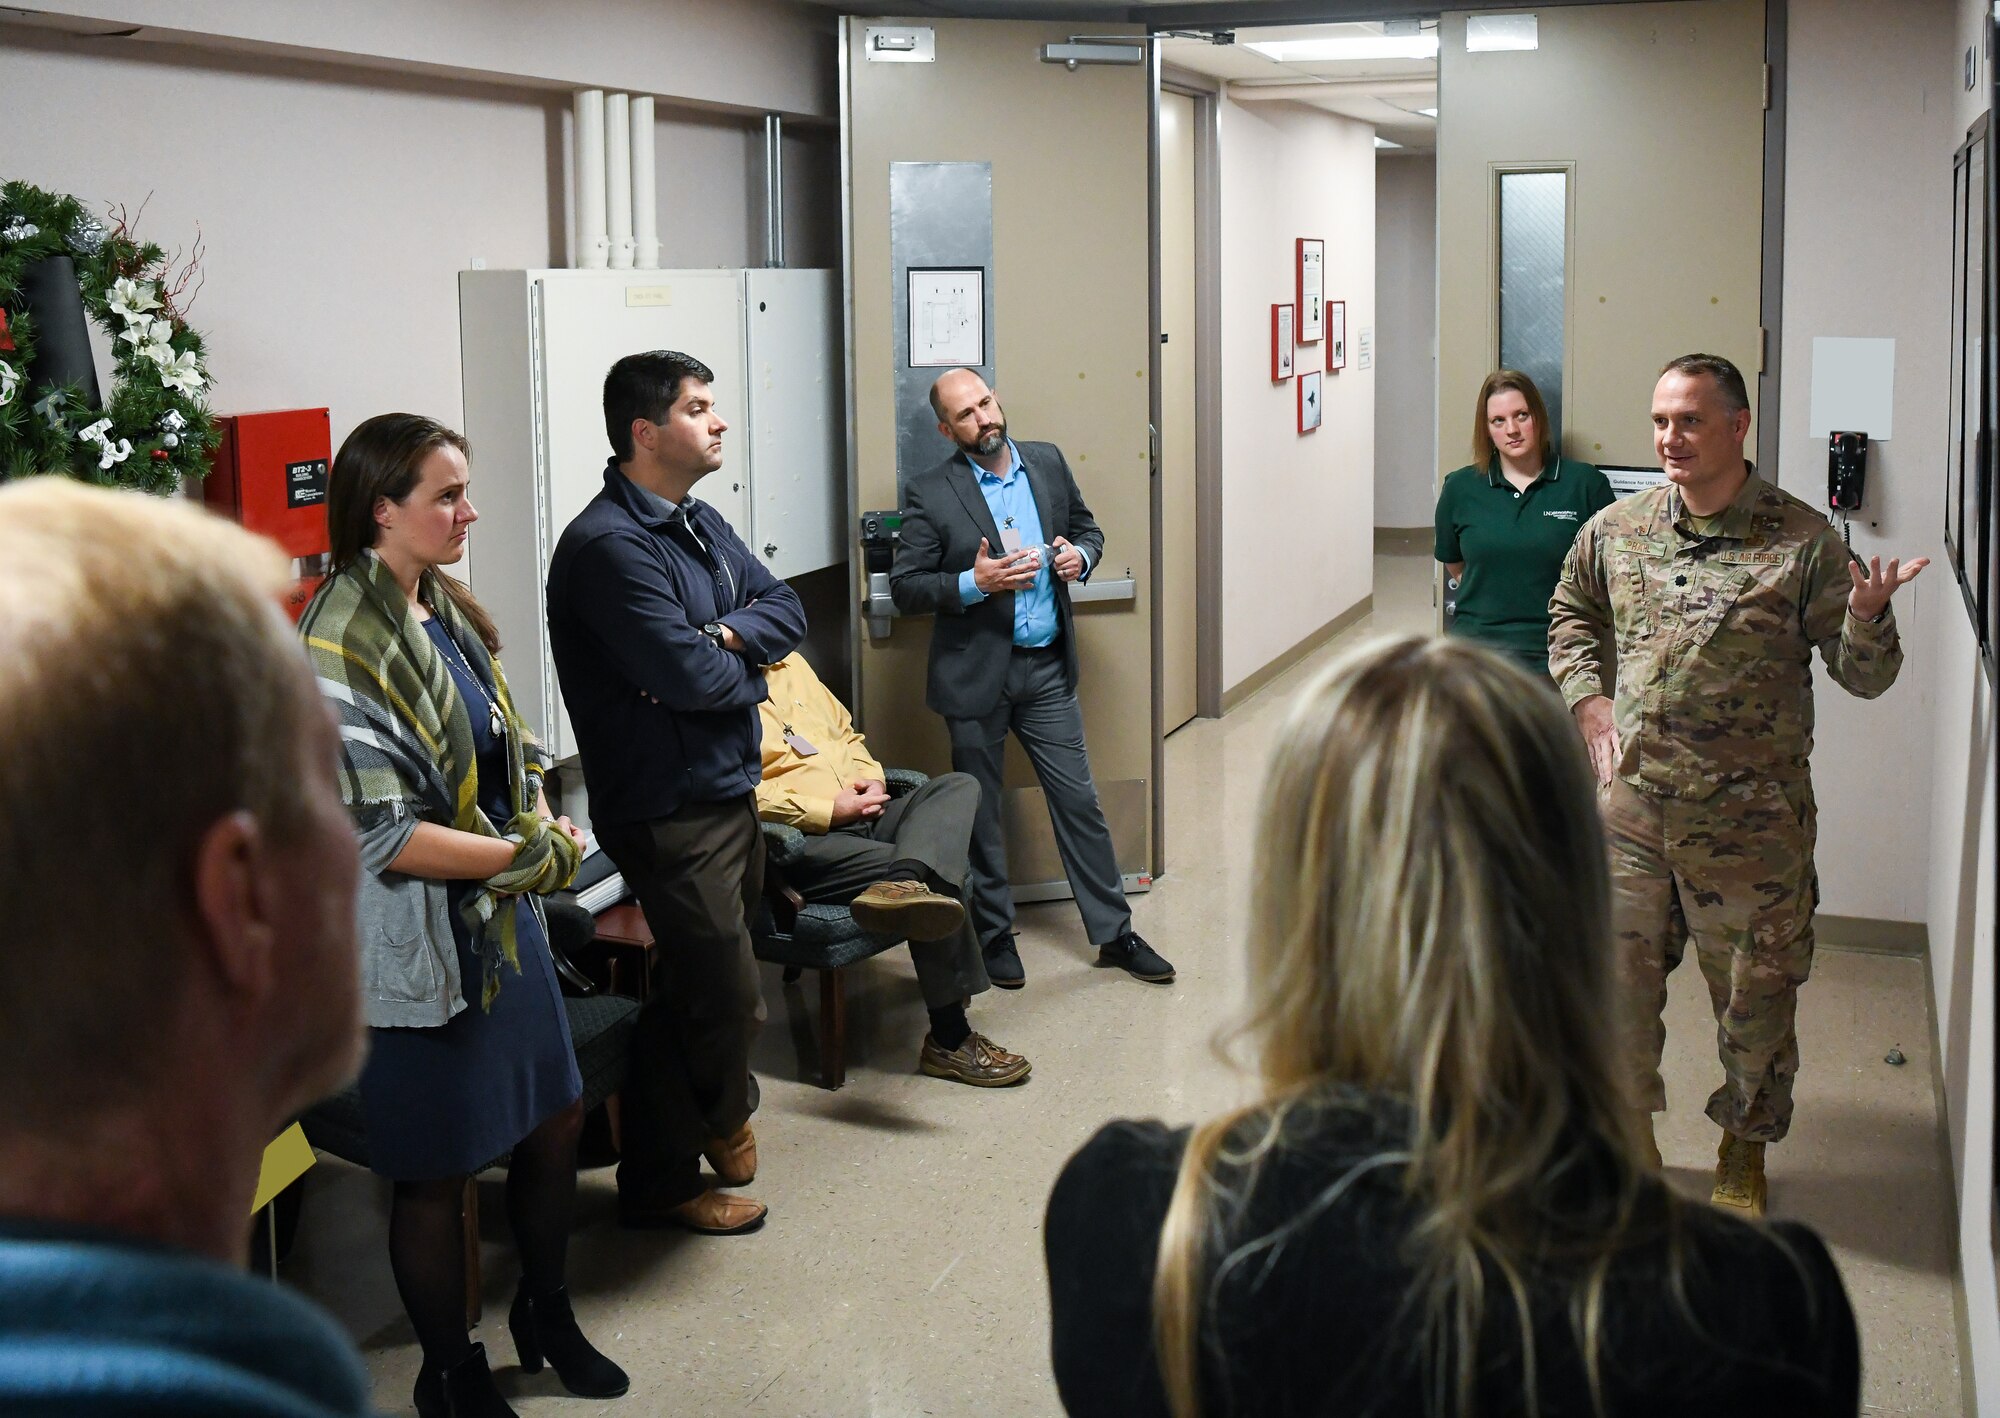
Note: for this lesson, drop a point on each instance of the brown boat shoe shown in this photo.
(908, 909)
(713, 1213)
(734, 1158)
(978, 1061)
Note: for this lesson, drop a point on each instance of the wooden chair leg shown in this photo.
(832, 1028)
(474, 1300)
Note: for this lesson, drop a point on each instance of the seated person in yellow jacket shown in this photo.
(899, 864)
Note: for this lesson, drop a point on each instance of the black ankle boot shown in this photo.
(465, 1390)
(544, 1325)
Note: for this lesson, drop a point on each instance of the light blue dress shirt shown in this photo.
(1011, 500)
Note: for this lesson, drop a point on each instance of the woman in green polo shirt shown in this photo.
(1505, 521)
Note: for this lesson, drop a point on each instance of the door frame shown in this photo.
(1206, 95)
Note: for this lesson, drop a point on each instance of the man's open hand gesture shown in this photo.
(1873, 587)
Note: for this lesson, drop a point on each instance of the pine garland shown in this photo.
(155, 429)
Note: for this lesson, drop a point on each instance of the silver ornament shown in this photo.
(86, 236)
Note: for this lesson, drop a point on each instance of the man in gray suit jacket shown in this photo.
(992, 537)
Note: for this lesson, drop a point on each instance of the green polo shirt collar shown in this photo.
(1551, 473)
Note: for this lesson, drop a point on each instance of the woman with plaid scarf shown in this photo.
(470, 1055)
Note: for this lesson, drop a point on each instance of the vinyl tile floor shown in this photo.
(901, 1270)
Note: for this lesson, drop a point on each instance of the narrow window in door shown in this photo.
(1534, 240)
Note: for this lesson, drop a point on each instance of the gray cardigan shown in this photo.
(409, 956)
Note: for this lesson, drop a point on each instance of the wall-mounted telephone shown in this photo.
(1846, 470)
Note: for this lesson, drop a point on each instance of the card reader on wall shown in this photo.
(879, 534)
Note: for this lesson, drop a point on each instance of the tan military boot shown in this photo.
(1739, 1175)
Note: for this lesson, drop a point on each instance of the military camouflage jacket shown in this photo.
(1707, 626)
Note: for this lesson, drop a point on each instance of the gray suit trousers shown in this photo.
(932, 825)
(1040, 708)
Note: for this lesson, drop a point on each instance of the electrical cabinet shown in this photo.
(534, 348)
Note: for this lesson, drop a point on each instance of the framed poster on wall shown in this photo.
(1972, 510)
(1281, 343)
(947, 307)
(1311, 289)
(1336, 336)
(1309, 400)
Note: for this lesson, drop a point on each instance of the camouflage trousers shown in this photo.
(1734, 872)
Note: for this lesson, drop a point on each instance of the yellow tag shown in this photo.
(648, 295)
(285, 1161)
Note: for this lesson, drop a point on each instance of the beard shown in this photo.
(988, 443)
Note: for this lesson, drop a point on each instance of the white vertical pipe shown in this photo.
(618, 176)
(592, 244)
(645, 204)
(774, 190)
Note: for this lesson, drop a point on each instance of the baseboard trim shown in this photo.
(1961, 1311)
(1872, 937)
(1403, 541)
(1248, 688)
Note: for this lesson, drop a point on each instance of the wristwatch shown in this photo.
(713, 630)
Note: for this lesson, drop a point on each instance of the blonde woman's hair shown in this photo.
(1432, 923)
(150, 685)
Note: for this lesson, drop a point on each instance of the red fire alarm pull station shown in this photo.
(269, 475)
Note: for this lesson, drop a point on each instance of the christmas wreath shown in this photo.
(155, 428)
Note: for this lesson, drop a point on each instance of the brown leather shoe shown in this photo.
(718, 1213)
(734, 1158)
(908, 909)
(978, 1061)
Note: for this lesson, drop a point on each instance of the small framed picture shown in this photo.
(1336, 336)
(1311, 289)
(1309, 400)
(1281, 343)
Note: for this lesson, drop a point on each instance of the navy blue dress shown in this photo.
(445, 1101)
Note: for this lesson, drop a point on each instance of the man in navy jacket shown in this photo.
(660, 621)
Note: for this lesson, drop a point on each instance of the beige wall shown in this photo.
(1659, 107)
(336, 204)
(1883, 271)
(1963, 845)
(750, 55)
(1297, 511)
(1406, 449)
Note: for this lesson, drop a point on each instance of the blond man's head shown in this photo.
(170, 829)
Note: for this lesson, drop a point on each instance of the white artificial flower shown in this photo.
(130, 299)
(183, 373)
(9, 382)
(138, 329)
(114, 453)
(156, 348)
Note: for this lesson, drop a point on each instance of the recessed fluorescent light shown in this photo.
(1385, 143)
(1486, 34)
(1428, 112)
(1321, 51)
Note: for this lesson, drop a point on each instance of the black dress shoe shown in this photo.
(465, 1390)
(544, 1327)
(1003, 963)
(1131, 954)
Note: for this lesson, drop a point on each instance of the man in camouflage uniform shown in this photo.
(1702, 600)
